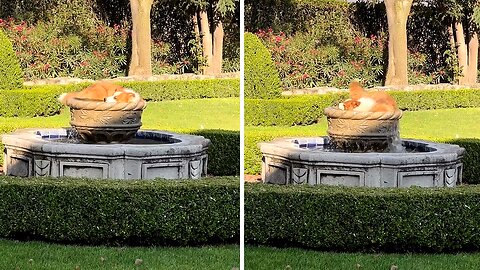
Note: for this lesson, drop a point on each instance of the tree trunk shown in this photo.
(397, 15)
(467, 55)
(140, 63)
(207, 43)
(217, 48)
(212, 43)
(472, 59)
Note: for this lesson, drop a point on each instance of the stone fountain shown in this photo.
(105, 142)
(362, 149)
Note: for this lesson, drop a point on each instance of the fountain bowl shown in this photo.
(362, 131)
(103, 122)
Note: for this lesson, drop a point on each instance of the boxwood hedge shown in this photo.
(224, 152)
(307, 109)
(154, 212)
(363, 219)
(11, 74)
(42, 100)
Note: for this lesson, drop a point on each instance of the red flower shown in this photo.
(304, 76)
(357, 40)
(19, 28)
(278, 38)
(341, 73)
(46, 67)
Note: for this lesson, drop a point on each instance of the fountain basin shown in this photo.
(362, 131)
(105, 122)
(312, 161)
(150, 154)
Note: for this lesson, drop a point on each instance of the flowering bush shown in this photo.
(46, 50)
(304, 60)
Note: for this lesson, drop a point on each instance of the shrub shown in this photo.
(10, 71)
(42, 100)
(224, 152)
(153, 212)
(304, 110)
(363, 219)
(93, 51)
(261, 77)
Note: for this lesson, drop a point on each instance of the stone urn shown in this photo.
(353, 131)
(104, 122)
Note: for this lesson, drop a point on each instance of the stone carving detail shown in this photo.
(195, 169)
(105, 122)
(299, 175)
(362, 131)
(450, 177)
(42, 167)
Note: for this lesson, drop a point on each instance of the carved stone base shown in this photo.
(311, 161)
(34, 152)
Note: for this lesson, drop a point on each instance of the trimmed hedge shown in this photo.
(10, 71)
(261, 76)
(307, 109)
(363, 219)
(42, 100)
(471, 159)
(224, 152)
(158, 212)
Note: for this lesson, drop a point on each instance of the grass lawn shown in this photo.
(38, 255)
(447, 123)
(178, 115)
(259, 258)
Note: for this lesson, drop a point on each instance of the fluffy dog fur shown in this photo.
(365, 101)
(103, 91)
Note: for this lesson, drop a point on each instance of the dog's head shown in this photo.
(125, 95)
(349, 104)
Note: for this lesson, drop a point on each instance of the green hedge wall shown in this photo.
(224, 152)
(471, 159)
(363, 219)
(158, 212)
(42, 100)
(307, 109)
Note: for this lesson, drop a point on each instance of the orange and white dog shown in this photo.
(365, 101)
(103, 91)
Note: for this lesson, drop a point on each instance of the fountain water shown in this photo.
(362, 149)
(105, 142)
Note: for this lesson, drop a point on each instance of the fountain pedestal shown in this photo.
(150, 154)
(312, 161)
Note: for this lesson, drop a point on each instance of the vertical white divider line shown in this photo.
(242, 138)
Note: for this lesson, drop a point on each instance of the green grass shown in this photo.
(446, 123)
(38, 255)
(178, 115)
(260, 258)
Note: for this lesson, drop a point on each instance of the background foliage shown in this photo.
(331, 42)
(90, 38)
